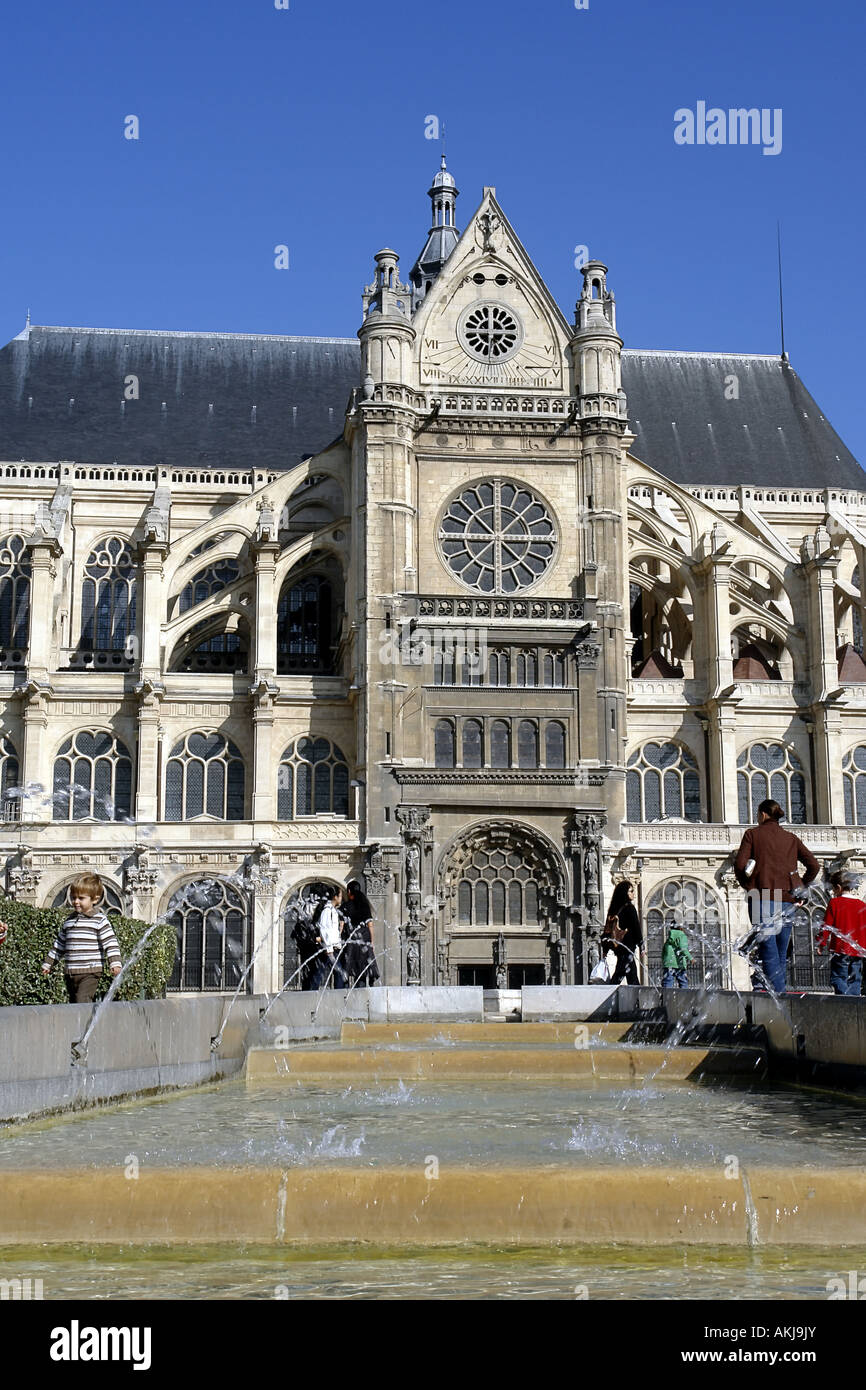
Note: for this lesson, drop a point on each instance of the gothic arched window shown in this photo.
(554, 744)
(662, 780)
(212, 921)
(443, 665)
(443, 741)
(770, 771)
(527, 743)
(92, 778)
(204, 776)
(527, 669)
(108, 597)
(694, 906)
(313, 780)
(9, 773)
(500, 743)
(14, 594)
(473, 748)
(499, 668)
(554, 670)
(854, 783)
(304, 623)
(208, 582)
(497, 889)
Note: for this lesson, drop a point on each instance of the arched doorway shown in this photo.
(504, 922)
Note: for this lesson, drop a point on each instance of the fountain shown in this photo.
(614, 1126)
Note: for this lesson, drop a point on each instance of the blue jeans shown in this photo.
(846, 973)
(680, 977)
(775, 919)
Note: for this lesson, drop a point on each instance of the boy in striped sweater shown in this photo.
(84, 940)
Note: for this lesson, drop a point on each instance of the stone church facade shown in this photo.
(480, 607)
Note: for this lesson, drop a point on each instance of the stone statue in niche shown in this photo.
(413, 962)
(413, 868)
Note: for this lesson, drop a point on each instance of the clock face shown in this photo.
(490, 349)
(489, 332)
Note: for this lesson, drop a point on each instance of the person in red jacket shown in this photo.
(845, 934)
(774, 888)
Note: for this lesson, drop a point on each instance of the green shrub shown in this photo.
(31, 934)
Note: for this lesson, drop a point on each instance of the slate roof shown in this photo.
(61, 391)
(773, 433)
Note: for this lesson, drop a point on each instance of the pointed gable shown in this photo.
(489, 320)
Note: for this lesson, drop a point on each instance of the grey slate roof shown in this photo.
(61, 391)
(299, 387)
(774, 433)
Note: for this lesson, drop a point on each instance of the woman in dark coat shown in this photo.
(623, 913)
(359, 956)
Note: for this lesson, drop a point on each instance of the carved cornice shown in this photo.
(532, 609)
(496, 777)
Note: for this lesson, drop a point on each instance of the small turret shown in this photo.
(386, 295)
(442, 237)
(386, 333)
(596, 346)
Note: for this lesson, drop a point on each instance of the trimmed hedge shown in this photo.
(31, 934)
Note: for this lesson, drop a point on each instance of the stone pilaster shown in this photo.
(417, 965)
(44, 552)
(722, 751)
(380, 870)
(36, 771)
(820, 564)
(151, 693)
(584, 843)
(265, 755)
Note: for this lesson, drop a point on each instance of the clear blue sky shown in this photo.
(306, 127)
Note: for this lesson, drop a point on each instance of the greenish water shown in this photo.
(227, 1272)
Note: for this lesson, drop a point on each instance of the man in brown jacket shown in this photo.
(774, 887)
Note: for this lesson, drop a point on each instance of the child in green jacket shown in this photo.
(676, 956)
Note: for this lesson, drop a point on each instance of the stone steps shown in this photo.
(408, 1206)
(516, 1034)
(301, 1066)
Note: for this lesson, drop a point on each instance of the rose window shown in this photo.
(497, 536)
(490, 332)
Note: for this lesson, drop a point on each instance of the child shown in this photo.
(84, 940)
(676, 956)
(845, 933)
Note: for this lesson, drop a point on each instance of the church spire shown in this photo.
(442, 237)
